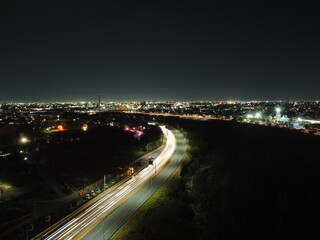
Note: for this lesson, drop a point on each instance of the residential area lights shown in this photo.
(257, 115)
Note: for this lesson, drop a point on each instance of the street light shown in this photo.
(24, 140)
(85, 127)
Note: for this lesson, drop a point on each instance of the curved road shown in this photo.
(104, 215)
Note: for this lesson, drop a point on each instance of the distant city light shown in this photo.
(278, 110)
(258, 115)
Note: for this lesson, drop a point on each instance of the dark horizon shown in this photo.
(168, 50)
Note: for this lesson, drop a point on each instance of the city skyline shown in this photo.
(176, 119)
(178, 51)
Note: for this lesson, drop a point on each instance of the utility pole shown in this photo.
(104, 182)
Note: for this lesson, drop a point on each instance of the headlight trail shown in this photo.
(78, 223)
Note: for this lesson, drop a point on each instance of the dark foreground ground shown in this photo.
(239, 182)
(71, 161)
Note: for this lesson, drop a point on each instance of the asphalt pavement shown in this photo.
(106, 228)
(121, 201)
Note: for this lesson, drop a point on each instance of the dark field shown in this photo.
(242, 182)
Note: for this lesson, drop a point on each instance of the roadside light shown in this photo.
(25, 159)
(24, 140)
(258, 115)
(85, 127)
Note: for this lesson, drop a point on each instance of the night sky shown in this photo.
(159, 50)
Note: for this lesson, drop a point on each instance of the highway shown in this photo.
(88, 219)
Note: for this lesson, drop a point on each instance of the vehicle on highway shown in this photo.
(83, 220)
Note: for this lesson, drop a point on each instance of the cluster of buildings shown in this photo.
(29, 126)
(300, 115)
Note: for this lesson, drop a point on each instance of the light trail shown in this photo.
(80, 222)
